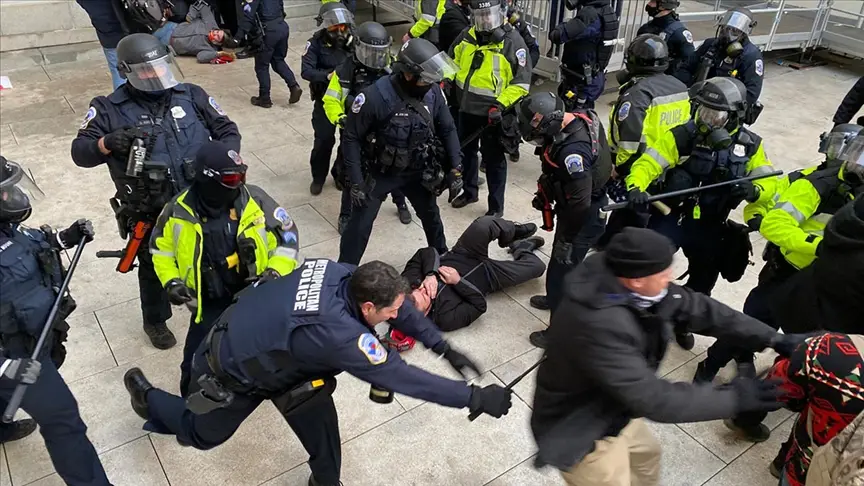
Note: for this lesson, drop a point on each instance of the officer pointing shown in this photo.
(292, 350)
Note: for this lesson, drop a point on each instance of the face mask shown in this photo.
(652, 11)
(412, 89)
(719, 139)
(734, 49)
(644, 302)
(214, 195)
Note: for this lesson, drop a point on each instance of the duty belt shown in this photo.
(214, 343)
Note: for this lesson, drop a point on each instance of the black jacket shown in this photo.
(453, 22)
(829, 294)
(107, 18)
(456, 306)
(603, 355)
(851, 103)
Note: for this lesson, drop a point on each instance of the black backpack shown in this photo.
(737, 250)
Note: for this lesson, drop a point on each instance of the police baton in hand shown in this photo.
(473, 416)
(694, 190)
(18, 394)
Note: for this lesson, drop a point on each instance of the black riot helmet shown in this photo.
(17, 190)
(146, 63)
(332, 14)
(540, 117)
(488, 15)
(852, 171)
(372, 46)
(735, 24)
(834, 142)
(647, 54)
(422, 59)
(721, 108)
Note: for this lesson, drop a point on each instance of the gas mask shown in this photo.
(711, 125)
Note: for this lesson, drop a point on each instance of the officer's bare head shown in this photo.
(379, 291)
(641, 259)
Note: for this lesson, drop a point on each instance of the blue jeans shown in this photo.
(111, 57)
(165, 32)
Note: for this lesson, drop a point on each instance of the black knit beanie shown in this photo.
(638, 252)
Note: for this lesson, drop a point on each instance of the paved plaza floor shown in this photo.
(407, 442)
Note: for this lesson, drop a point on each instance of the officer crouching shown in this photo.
(31, 274)
(405, 120)
(167, 121)
(217, 237)
(291, 352)
(576, 164)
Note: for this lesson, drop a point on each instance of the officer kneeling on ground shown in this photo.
(307, 327)
(170, 120)
(618, 314)
(415, 146)
(664, 22)
(31, 274)
(247, 238)
(576, 164)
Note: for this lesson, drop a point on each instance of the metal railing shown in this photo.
(842, 31)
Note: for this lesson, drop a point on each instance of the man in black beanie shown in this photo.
(606, 342)
(217, 237)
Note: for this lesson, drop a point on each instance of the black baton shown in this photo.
(513, 383)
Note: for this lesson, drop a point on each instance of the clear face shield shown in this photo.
(853, 157)
(156, 75)
(711, 118)
(338, 16)
(371, 56)
(733, 26)
(488, 19)
(832, 144)
(437, 68)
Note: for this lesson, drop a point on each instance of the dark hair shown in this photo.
(228, 40)
(378, 283)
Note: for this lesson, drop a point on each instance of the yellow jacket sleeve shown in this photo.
(521, 64)
(162, 247)
(661, 155)
(782, 224)
(757, 165)
(427, 13)
(283, 237)
(334, 100)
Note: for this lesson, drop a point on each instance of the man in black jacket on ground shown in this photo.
(606, 341)
(451, 288)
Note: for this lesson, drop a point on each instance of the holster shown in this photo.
(304, 395)
(211, 396)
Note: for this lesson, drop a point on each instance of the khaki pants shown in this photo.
(630, 459)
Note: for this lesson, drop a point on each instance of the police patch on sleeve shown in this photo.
(623, 111)
(358, 103)
(282, 216)
(574, 164)
(372, 348)
(522, 57)
(306, 49)
(216, 106)
(688, 36)
(91, 114)
(760, 67)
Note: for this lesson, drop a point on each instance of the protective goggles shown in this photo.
(437, 68)
(711, 118)
(371, 56)
(341, 28)
(488, 19)
(230, 178)
(156, 75)
(737, 21)
(336, 17)
(832, 144)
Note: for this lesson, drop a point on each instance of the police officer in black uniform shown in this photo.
(326, 50)
(576, 164)
(263, 24)
(588, 44)
(416, 148)
(665, 23)
(171, 120)
(291, 352)
(31, 274)
(731, 54)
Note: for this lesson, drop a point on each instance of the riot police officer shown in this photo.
(171, 120)
(715, 147)
(326, 50)
(679, 41)
(409, 131)
(370, 61)
(494, 72)
(794, 228)
(576, 164)
(588, 40)
(31, 274)
(730, 53)
(291, 352)
(427, 16)
(247, 237)
(263, 23)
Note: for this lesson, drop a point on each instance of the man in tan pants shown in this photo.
(607, 339)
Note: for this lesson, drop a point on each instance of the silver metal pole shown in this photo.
(776, 24)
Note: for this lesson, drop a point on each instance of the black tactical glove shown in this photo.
(456, 359)
(785, 344)
(267, 276)
(745, 190)
(493, 399)
(555, 35)
(178, 292)
(455, 184)
(537, 203)
(358, 196)
(341, 121)
(119, 141)
(637, 199)
(81, 230)
(755, 222)
(756, 395)
(561, 252)
(22, 370)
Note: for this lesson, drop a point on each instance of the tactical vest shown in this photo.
(26, 287)
(590, 132)
(609, 29)
(175, 132)
(405, 136)
(360, 77)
